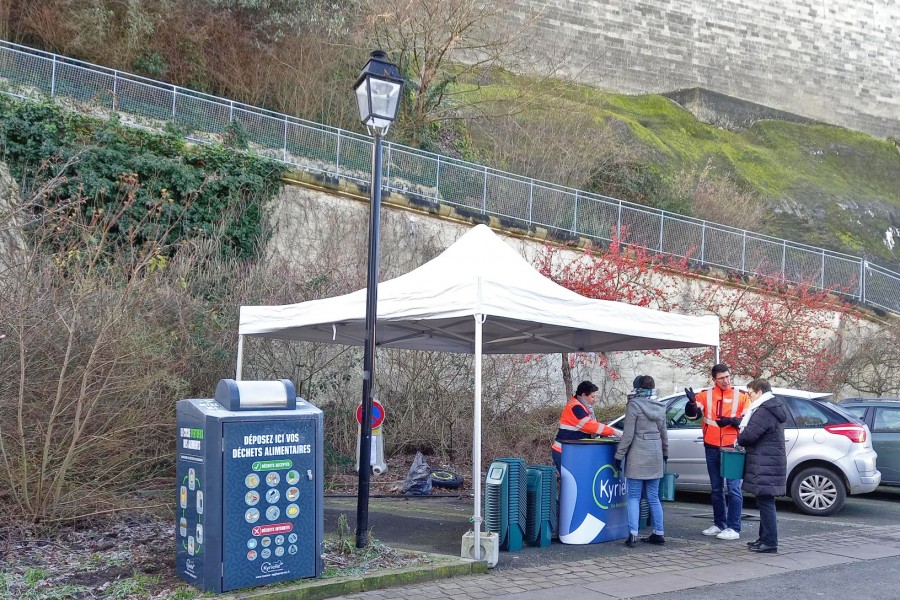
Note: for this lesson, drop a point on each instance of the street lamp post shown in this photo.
(378, 97)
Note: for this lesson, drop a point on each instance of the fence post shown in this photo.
(618, 232)
(662, 221)
(174, 96)
(783, 259)
(337, 155)
(703, 243)
(115, 91)
(484, 193)
(575, 215)
(230, 111)
(437, 179)
(744, 253)
(284, 148)
(531, 203)
(862, 281)
(390, 159)
(53, 78)
(822, 280)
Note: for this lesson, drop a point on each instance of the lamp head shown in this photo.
(378, 91)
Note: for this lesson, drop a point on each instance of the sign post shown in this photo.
(376, 455)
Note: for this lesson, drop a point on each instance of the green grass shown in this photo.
(123, 588)
(63, 592)
(186, 593)
(29, 587)
(33, 576)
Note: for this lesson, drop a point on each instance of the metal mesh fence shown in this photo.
(29, 73)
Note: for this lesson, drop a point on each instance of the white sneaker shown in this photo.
(729, 534)
(712, 531)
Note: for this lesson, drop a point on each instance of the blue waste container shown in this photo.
(592, 497)
(249, 485)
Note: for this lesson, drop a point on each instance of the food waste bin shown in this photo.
(249, 485)
(592, 496)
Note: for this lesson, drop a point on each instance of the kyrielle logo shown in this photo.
(271, 567)
(608, 488)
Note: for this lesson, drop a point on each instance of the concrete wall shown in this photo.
(837, 61)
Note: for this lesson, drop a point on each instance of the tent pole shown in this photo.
(240, 359)
(476, 439)
(717, 356)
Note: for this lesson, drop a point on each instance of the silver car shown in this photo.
(829, 451)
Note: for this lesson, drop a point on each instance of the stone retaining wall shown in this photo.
(836, 61)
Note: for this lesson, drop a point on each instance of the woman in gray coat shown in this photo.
(645, 449)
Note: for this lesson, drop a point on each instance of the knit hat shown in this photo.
(643, 382)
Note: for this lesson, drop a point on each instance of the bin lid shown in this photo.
(256, 395)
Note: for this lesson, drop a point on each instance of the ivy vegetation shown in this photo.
(211, 192)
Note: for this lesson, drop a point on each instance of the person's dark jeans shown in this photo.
(727, 501)
(768, 529)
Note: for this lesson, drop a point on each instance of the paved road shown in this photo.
(437, 524)
(876, 579)
(811, 551)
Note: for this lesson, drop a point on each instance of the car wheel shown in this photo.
(818, 491)
(446, 478)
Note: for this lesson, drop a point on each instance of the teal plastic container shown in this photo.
(732, 464)
(667, 487)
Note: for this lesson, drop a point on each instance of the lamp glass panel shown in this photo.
(385, 98)
(362, 100)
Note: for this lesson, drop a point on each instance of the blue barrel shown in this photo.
(592, 497)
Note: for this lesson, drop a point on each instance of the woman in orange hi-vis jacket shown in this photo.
(721, 408)
(577, 420)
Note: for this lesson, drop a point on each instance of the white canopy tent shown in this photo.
(479, 297)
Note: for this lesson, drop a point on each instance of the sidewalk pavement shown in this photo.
(679, 565)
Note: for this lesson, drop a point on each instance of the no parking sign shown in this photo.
(377, 414)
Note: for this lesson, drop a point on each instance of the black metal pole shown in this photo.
(365, 439)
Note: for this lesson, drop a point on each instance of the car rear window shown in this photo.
(856, 411)
(851, 417)
(809, 414)
(887, 420)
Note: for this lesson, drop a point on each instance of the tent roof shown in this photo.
(433, 308)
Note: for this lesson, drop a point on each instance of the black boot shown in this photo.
(631, 540)
(654, 538)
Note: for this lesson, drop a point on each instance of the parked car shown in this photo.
(882, 416)
(829, 451)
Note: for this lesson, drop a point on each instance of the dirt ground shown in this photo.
(130, 554)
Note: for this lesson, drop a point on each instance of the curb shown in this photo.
(317, 589)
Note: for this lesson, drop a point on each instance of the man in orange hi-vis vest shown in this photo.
(577, 420)
(721, 408)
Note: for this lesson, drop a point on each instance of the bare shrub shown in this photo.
(563, 150)
(873, 365)
(100, 340)
(448, 50)
(718, 198)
